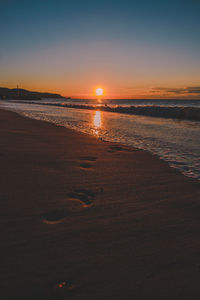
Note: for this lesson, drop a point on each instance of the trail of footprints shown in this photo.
(84, 196)
(64, 288)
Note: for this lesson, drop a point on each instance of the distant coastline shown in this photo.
(22, 94)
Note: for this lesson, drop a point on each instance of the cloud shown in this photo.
(185, 92)
(153, 92)
(195, 90)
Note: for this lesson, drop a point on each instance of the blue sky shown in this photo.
(130, 47)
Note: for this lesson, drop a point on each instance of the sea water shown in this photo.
(175, 141)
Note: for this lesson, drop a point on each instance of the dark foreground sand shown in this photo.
(101, 221)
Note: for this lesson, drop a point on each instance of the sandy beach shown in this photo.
(84, 219)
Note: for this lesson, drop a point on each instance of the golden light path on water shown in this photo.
(97, 121)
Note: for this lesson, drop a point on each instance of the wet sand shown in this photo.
(84, 219)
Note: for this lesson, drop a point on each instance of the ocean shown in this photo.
(174, 138)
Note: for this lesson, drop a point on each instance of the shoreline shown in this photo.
(113, 222)
(175, 113)
(188, 171)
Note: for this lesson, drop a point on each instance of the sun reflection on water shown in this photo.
(97, 120)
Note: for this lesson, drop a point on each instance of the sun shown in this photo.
(99, 92)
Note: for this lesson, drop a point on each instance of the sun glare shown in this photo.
(99, 92)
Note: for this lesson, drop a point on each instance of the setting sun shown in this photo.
(99, 92)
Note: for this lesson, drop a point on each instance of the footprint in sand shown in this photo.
(64, 284)
(54, 217)
(85, 165)
(62, 289)
(86, 161)
(86, 197)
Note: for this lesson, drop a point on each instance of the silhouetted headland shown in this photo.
(21, 94)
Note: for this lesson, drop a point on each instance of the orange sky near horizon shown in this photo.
(114, 92)
(124, 71)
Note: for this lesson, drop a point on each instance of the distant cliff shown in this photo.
(22, 94)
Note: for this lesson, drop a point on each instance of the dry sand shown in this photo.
(84, 219)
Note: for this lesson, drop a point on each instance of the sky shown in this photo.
(130, 48)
